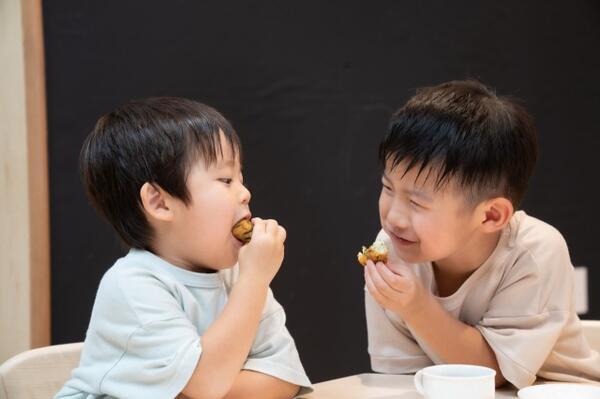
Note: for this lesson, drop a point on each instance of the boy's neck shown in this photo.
(178, 261)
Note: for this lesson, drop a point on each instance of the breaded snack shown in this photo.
(377, 252)
(243, 230)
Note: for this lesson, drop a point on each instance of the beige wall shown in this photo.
(24, 227)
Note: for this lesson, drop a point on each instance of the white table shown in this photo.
(378, 386)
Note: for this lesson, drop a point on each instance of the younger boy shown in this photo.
(468, 279)
(188, 311)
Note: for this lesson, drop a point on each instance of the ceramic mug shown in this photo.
(456, 381)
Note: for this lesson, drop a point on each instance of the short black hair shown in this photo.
(463, 130)
(153, 140)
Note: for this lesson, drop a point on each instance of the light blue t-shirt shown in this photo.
(145, 334)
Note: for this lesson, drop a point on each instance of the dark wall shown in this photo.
(310, 89)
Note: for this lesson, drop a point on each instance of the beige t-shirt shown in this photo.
(521, 300)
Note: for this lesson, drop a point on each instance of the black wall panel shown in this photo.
(309, 87)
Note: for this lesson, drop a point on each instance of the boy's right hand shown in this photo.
(261, 258)
(395, 287)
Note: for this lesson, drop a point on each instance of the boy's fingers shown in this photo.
(281, 233)
(399, 268)
(271, 226)
(256, 221)
(259, 225)
(395, 281)
(373, 290)
(381, 286)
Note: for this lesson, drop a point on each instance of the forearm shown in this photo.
(254, 385)
(226, 343)
(436, 327)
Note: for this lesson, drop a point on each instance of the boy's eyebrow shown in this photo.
(420, 194)
(228, 163)
(415, 193)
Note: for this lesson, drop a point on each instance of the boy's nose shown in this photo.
(246, 195)
(396, 218)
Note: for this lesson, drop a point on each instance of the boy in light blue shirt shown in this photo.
(188, 311)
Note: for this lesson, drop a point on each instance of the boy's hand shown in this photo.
(399, 291)
(262, 256)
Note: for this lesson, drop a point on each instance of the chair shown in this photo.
(591, 330)
(38, 373)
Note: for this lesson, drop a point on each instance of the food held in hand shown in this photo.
(243, 230)
(377, 252)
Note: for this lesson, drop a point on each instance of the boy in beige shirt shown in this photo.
(468, 278)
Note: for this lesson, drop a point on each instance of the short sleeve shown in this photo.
(161, 354)
(273, 351)
(158, 361)
(140, 343)
(391, 346)
(527, 314)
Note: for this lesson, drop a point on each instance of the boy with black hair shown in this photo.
(188, 311)
(468, 279)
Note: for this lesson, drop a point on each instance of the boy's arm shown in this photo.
(254, 385)
(226, 343)
(434, 325)
(403, 295)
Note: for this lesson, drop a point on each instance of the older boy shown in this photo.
(188, 310)
(469, 280)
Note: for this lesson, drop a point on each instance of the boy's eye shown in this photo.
(386, 187)
(226, 180)
(416, 204)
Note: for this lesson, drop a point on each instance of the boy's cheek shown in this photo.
(384, 208)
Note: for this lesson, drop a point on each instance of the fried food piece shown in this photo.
(377, 252)
(243, 230)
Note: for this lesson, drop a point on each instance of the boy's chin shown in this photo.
(227, 263)
(227, 258)
(407, 257)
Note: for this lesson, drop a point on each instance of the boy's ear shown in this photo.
(496, 214)
(156, 202)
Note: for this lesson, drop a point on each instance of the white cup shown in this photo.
(456, 381)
